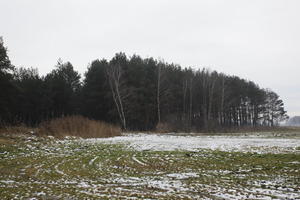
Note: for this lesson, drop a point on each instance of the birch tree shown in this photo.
(114, 74)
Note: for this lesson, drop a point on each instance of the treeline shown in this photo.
(137, 94)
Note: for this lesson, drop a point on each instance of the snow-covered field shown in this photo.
(169, 142)
(150, 166)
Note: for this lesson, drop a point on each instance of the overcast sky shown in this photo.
(257, 40)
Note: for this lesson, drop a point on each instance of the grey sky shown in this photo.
(257, 40)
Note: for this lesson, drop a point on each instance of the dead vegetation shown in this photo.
(17, 130)
(164, 128)
(77, 126)
(66, 126)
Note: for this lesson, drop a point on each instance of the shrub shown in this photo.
(77, 126)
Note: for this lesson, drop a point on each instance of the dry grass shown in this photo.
(164, 128)
(17, 130)
(77, 126)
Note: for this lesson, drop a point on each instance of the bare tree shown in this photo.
(185, 85)
(221, 118)
(204, 97)
(208, 86)
(191, 104)
(114, 74)
(210, 96)
(158, 91)
(162, 88)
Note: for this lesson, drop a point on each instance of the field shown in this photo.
(150, 166)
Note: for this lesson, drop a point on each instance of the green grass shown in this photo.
(52, 169)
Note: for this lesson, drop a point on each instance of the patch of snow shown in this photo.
(57, 170)
(83, 185)
(155, 142)
(93, 160)
(182, 175)
(7, 181)
(40, 193)
(165, 184)
(294, 162)
(136, 160)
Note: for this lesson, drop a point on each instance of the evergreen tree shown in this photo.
(96, 99)
(138, 94)
(30, 85)
(62, 86)
(8, 92)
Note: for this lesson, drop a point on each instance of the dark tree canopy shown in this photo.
(138, 94)
(8, 91)
(62, 86)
